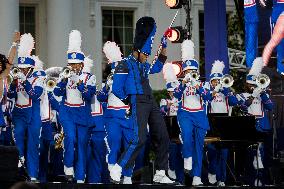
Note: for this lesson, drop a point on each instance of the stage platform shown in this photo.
(134, 186)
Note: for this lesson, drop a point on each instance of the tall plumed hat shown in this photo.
(144, 35)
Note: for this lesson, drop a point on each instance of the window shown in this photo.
(28, 20)
(118, 26)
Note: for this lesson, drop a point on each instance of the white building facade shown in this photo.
(50, 21)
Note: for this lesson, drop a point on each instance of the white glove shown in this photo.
(256, 92)
(217, 88)
(56, 136)
(21, 76)
(187, 77)
(109, 82)
(262, 3)
(92, 81)
(175, 84)
(163, 102)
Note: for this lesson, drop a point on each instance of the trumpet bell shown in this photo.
(262, 81)
(227, 81)
(50, 85)
(66, 72)
(194, 75)
(15, 72)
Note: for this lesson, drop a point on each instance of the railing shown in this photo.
(237, 59)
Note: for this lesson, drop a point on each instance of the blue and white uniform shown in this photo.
(26, 117)
(251, 25)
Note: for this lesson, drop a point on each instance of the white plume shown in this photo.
(75, 41)
(53, 71)
(257, 66)
(88, 64)
(218, 67)
(38, 62)
(112, 52)
(169, 72)
(187, 50)
(26, 45)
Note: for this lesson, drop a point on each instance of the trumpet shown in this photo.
(59, 141)
(262, 81)
(50, 84)
(9, 79)
(227, 81)
(15, 72)
(194, 75)
(66, 72)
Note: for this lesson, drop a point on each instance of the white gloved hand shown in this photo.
(217, 88)
(21, 76)
(175, 84)
(262, 3)
(92, 81)
(256, 92)
(109, 82)
(56, 136)
(187, 77)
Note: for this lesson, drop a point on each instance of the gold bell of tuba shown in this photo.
(227, 81)
(59, 141)
(262, 81)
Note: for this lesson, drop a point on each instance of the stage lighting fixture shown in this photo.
(176, 34)
(175, 4)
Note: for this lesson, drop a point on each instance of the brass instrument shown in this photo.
(15, 72)
(194, 75)
(66, 72)
(227, 81)
(59, 141)
(9, 79)
(50, 84)
(262, 81)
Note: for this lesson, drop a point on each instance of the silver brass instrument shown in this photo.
(227, 81)
(194, 75)
(50, 84)
(262, 81)
(15, 72)
(66, 72)
(9, 79)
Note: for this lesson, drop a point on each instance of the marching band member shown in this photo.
(251, 25)
(27, 88)
(74, 113)
(169, 107)
(131, 85)
(276, 38)
(192, 118)
(49, 108)
(6, 103)
(118, 127)
(277, 11)
(96, 165)
(256, 102)
(221, 101)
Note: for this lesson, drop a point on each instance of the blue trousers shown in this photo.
(97, 170)
(118, 135)
(32, 129)
(176, 161)
(251, 42)
(217, 161)
(76, 137)
(192, 141)
(45, 149)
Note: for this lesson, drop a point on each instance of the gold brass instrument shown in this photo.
(50, 84)
(15, 72)
(227, 81)
(59, 141)
(9, 79)
(66, 72)
(262, 81)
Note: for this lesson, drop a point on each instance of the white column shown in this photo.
(9, 22)
(59, 24)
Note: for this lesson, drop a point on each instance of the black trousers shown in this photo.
(146, 111)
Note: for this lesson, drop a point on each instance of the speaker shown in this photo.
(9, 157)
